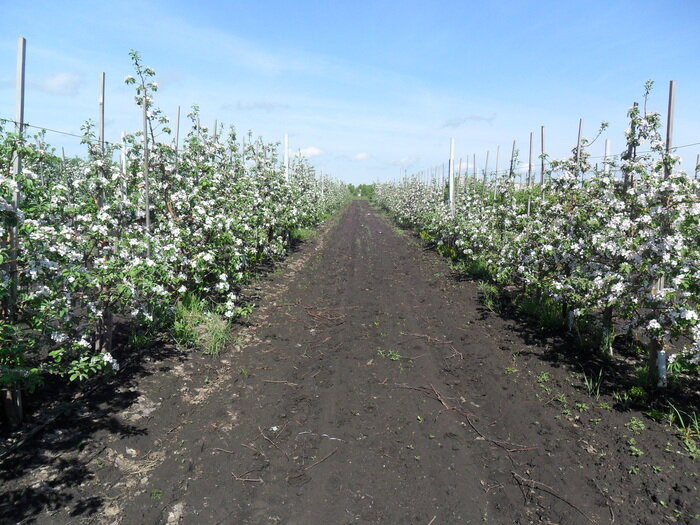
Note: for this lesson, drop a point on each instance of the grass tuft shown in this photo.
(196, 326)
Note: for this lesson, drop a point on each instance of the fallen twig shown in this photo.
(279, 431)
(411, 358)
(273, 443)
(243, 478)
(251, 447)
(433, 393)
(431, 338)
(324, 458)
(326, 316)
(455, 352)
(431, 521)
(289, 383)
(549, 490)
(222, 450)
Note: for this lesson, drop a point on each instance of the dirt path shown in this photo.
(370, 388)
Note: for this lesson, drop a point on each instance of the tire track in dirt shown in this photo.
(329, 422)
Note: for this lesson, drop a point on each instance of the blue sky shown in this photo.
(366, 89)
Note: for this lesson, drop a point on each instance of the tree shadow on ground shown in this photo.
(44, 463)
(598, 374)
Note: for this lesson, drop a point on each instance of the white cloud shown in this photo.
(406, 161)
(361, 156)
(311, 151)
(64, 84)
(455, 122)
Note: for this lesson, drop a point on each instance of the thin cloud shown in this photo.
(456, 122)
(311, 151)
(63, 84)
(405, 162)
(255, 106)
(361, 156)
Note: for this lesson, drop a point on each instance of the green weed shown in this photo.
(196, 326)
(593, 383)
(490, 296)
(634, 450)
(636, 425)
(391, 355)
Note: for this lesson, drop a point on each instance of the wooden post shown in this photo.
(512, 161)
(147, 204)
(286, 157)
(122, 155)
(669, 126)
(16, 170)
(529, 176)
(451, 175)
(101, 133)
(495, 175)
(474, 165)
(697, 165)
(578, 147)
(124, 167)
(486, 167)
(177, 140)
(660, 285)
(105, 337)
(529, 164)
(631, 154)
(542, 156)
(12, 395)
(101, 117)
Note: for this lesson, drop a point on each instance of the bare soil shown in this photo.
(369, 386)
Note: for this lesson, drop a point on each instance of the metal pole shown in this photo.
(512, 160)
(451, 174)
(606, 165)
(474, 165)
(697, 165)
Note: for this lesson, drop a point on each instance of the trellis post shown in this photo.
(16, 170)
(286, 157)
(451, 174)
(529, 177)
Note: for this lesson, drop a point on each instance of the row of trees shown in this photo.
(94, 242)
(612, 251)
